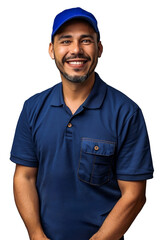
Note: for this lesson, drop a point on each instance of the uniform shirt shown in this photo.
(81, 156)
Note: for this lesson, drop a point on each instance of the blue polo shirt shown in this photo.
(81, 156)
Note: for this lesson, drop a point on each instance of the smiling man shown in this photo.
(76, 50)
(81, 148)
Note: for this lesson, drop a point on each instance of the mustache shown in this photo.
(82, 56)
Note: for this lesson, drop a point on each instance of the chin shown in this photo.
(76, 78)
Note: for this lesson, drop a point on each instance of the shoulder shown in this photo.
(120, 102)
(40, 97)
(120, 98)
(117, 99)
(39, 101)
(119, 107)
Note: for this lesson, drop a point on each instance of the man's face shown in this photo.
(76, 50)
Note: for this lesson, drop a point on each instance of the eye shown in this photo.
(66, 42)
(86, 41)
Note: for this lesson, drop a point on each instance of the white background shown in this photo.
(132, 61)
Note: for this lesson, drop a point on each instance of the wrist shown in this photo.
(98, 236)
(37, 235)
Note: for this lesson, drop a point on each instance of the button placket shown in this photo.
(69, 125)
(69, 128)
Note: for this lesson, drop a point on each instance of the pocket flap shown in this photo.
(98, 147)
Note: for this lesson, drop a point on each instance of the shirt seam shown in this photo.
(121, 174)
(138, 109)
(19, 158)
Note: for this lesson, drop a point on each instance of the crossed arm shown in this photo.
(114, 226)
(124, 212)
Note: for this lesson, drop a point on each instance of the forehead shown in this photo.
(76, 25)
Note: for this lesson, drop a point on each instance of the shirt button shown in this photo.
(96, 148)
(69, 125)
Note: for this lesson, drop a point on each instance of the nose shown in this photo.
(76, 48)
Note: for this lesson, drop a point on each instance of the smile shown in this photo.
(76, 63)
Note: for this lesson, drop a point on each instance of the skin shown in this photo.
(76, 41)
(87, 50)
(27, 202)
(124, 212)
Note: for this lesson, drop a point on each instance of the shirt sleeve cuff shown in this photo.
(134, 177)
(24, 162)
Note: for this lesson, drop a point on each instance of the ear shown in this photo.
(51, 50)
(100, 49)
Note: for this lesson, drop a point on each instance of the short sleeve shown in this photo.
(23, 148)
(134, 161)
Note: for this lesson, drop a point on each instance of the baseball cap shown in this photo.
(73, 13)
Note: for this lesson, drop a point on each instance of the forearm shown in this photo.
(119, 219)
(27, 202)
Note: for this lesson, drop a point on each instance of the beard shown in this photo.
(75, 78)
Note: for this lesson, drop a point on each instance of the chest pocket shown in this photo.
(96, 159)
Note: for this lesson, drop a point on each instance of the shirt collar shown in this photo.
(94, 99)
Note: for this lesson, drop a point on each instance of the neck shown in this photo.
(77, 91)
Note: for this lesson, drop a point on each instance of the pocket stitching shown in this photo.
(97, 154)
(81, 150)
(97, 140)
(93, 168)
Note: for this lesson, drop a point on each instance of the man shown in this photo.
(81, 148)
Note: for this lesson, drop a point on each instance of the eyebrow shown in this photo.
(87, 36)
(64, 36)
(70, 36)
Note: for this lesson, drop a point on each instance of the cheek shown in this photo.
(60, 52)
(92, 52)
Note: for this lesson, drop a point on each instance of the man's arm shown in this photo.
(124, 212)
(27, 202)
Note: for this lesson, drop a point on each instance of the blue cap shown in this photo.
(73, 13)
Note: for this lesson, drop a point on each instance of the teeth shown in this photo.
(77, 63)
